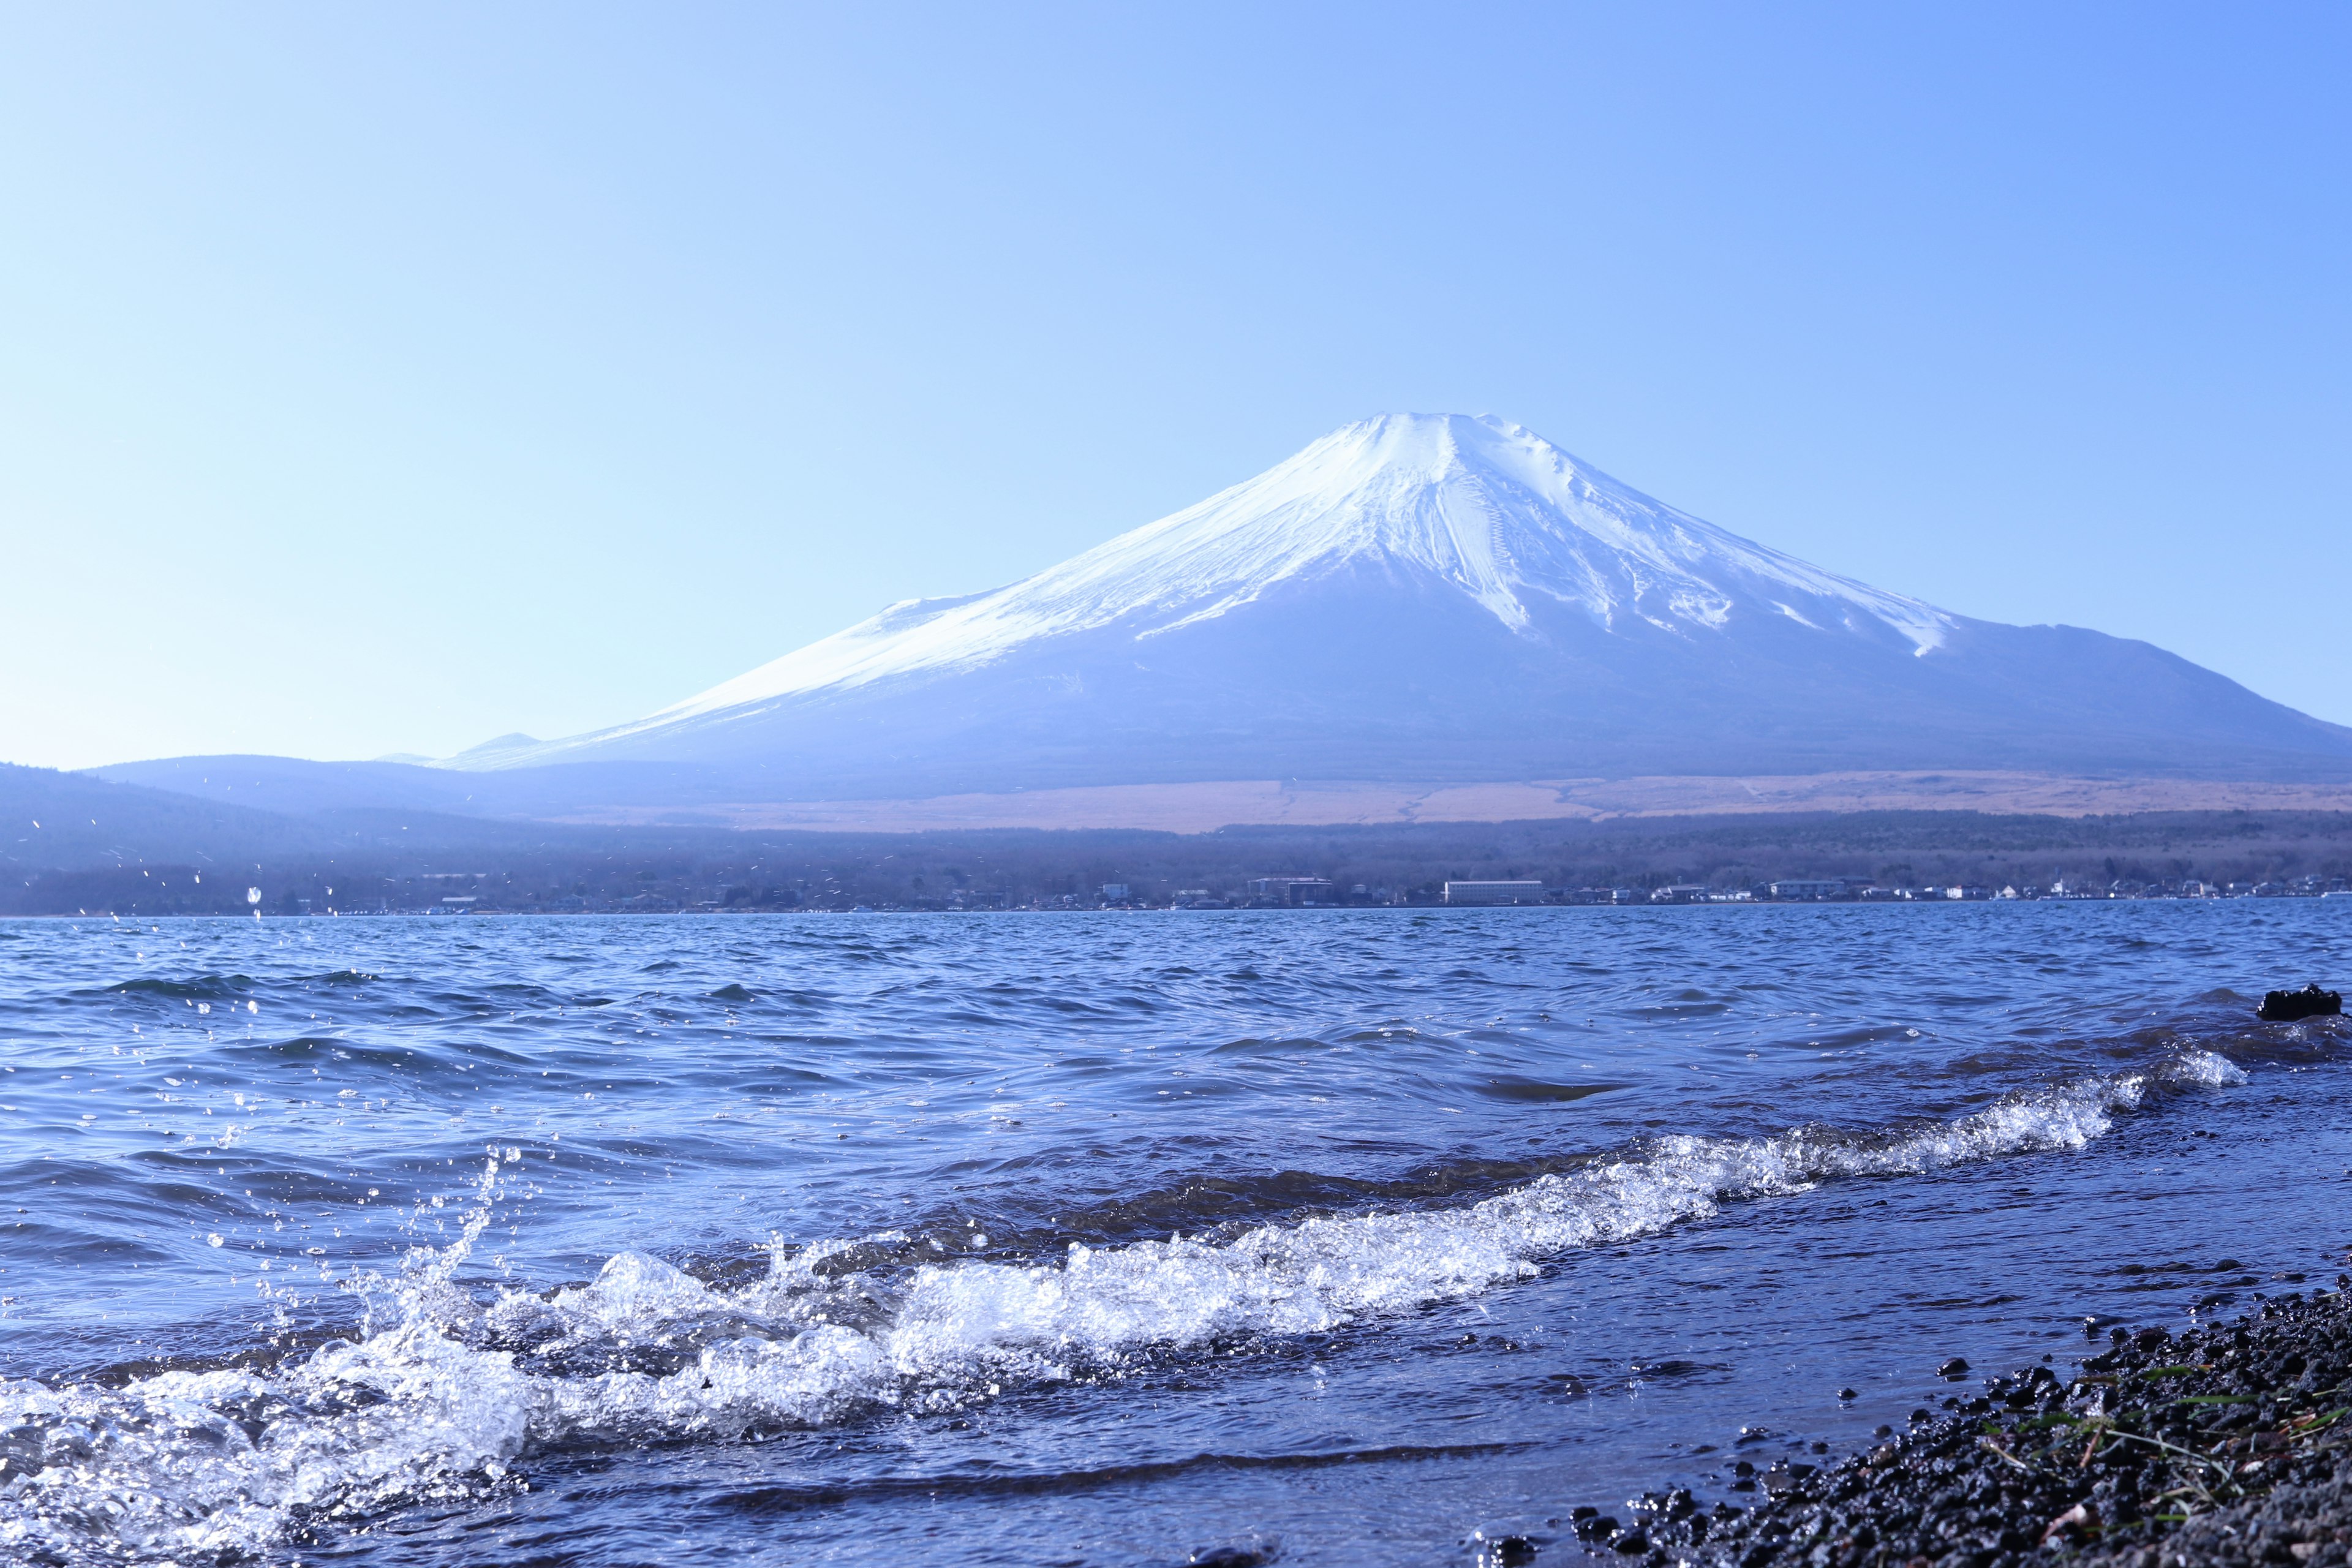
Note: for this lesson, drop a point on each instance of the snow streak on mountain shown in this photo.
(1486, 508)
(1433, 597)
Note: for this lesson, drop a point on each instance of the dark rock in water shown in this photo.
(1847, 1393)
(1228, 1557)
(2311, 1002)
(1511, 1551)
(1595, 1526)
(1956, 1367)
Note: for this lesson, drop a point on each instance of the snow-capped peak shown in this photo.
(1484, 506)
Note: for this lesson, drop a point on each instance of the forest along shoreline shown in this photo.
(2229, 1444)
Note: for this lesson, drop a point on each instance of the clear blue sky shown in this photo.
(384, 377)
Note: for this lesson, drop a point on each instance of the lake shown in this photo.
(1331, 1237)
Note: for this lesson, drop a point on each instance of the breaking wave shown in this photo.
(446, 1388)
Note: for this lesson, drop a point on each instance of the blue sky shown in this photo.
(381, 378)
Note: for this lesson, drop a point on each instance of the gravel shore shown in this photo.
(2224, 1445)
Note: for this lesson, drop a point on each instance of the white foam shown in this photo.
(161, 1468)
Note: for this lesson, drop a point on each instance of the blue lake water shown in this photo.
(1118, 1238)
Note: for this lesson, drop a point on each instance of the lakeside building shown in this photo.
(1494, 892)
(1604, 896)
(1299, 892)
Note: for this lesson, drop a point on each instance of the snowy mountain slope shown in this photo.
(1486, 507)
(1440, 597)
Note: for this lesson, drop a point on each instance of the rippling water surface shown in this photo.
(1334, 1237)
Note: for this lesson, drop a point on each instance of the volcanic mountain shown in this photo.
(1415, 611)
(1441, 598)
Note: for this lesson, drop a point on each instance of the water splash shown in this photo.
(447, 1388)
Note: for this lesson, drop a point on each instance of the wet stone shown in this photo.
(2092, 1470)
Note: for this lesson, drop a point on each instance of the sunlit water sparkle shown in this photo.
(1342, 1237)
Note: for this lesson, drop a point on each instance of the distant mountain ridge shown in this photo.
(1440, 597)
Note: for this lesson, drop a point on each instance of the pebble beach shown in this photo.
(2224, 1445)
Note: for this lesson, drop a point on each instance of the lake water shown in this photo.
(1340, 1238)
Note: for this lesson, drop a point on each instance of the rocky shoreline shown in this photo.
(2229, 1444)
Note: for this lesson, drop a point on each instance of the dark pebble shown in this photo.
(2088, 1470)
(1956, 1367)
(1847, 1393)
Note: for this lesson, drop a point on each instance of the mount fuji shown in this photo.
(1440, 598)
(1418, 616)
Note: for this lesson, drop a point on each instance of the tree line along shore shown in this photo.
(204, 861)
